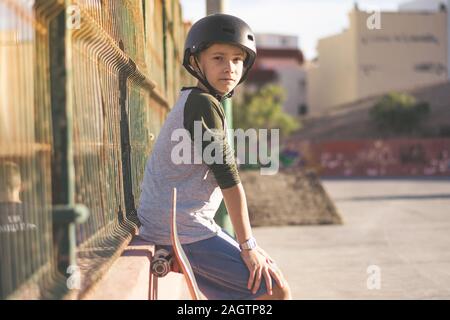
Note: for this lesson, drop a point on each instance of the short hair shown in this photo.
(9, 176)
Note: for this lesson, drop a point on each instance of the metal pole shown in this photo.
(222, 218)
(65, 212)
(215, 6)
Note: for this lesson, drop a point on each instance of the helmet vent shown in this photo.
(250, 37)
(229, 30)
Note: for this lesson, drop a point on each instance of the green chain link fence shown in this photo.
(85, 86)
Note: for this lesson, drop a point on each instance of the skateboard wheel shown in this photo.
(161, 263)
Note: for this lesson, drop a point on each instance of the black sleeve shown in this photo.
(202, 108)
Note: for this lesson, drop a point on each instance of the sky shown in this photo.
(310, 20)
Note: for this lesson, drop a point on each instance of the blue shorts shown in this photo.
(220, 272)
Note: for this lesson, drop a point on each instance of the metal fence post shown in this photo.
(124, 73)
(222, 217)
(65, 214)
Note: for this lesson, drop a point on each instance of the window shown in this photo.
(302, 109)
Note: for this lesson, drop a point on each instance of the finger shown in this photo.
(268, 280)
(277, 276)
(257, 280)
(251, 278)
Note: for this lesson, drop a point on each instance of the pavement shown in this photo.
(394, 243)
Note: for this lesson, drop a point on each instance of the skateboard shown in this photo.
(180, 256)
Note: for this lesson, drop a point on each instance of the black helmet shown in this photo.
(219, 28)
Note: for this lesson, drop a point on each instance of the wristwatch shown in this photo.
(249, 244)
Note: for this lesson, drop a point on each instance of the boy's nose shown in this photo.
(229, 66)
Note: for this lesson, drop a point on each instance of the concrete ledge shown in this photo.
(129, 278)
(173, 287)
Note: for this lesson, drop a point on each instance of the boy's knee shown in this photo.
(278, 293)
(282, 293)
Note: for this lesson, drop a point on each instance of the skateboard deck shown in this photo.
(183, 261)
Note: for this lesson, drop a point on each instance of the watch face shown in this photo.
(249, 244)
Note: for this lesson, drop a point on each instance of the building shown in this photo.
(276, 41)
(16, 104)
(280, 61)
(378, 53)
(430, 5)
(422, 5)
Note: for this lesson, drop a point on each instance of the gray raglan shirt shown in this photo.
(198, 184)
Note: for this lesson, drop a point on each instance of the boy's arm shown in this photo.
(236, 204)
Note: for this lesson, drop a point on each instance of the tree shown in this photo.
(399, 113)
(263, 110)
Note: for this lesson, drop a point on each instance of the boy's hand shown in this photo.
(260, 264)
(269, 258)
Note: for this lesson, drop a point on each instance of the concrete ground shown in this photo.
(394, 243)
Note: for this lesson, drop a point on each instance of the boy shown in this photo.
(219, 51)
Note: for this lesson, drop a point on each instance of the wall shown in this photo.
(377, 158)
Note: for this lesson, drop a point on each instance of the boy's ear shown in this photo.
(193, 63)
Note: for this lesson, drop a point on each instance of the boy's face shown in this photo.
(222, 64)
